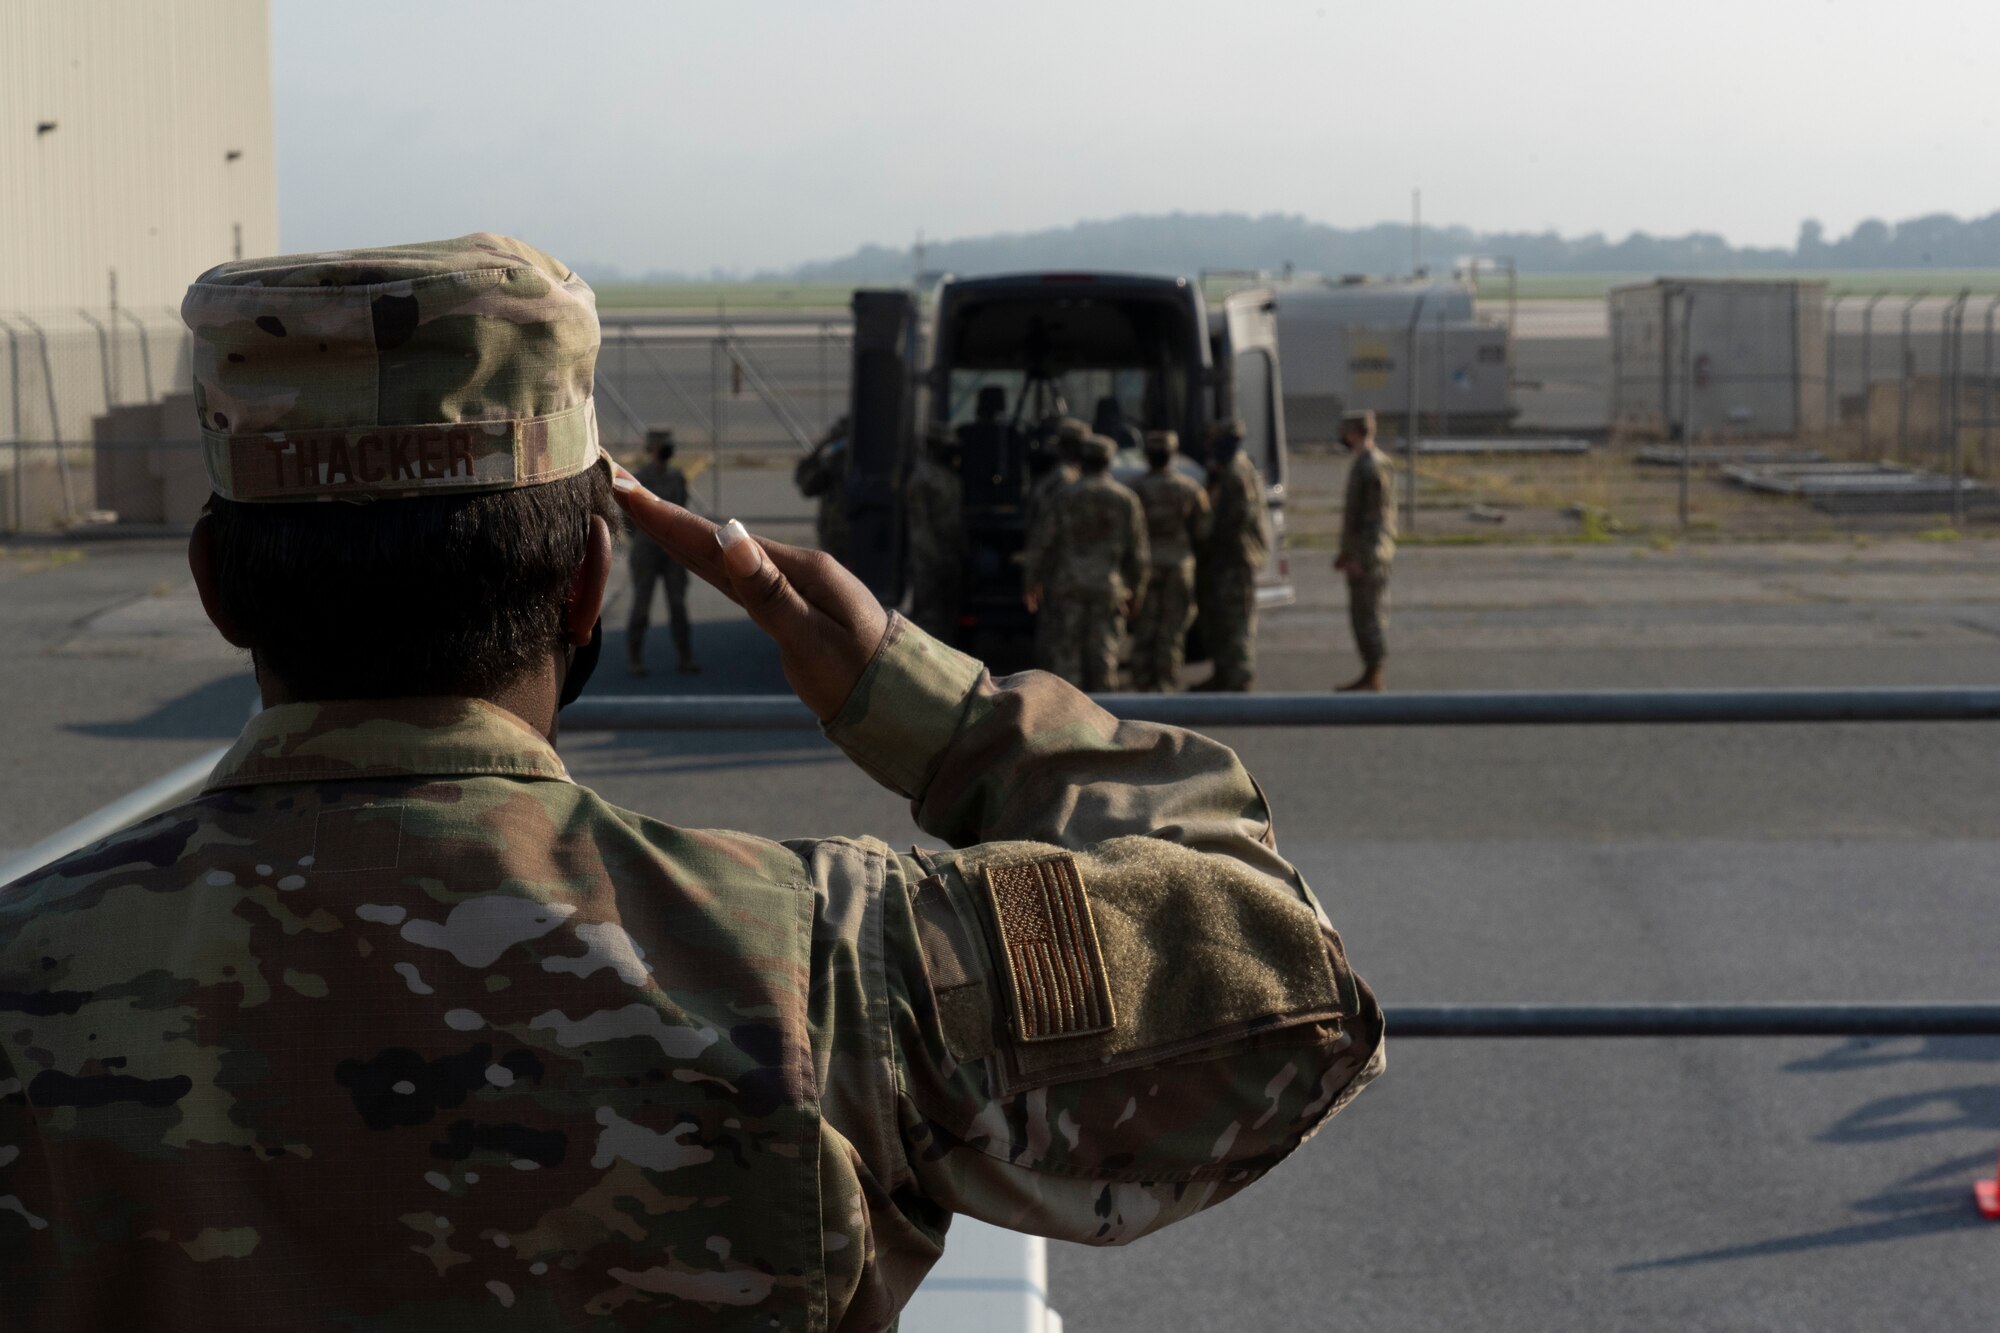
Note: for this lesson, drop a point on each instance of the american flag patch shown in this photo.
(1054, 965)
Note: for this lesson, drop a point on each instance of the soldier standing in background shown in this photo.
(1177, 524)
(1085, 566)
(649, 563)
(1367, 545)
(1070, 435)
(935, 503)
(822, 475)
(398, 1026)
(1239, 543)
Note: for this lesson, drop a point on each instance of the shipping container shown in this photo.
(1733, 357)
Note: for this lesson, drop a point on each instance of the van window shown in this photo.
(1258, 413)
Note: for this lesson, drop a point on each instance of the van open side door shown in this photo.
(1248, 358)
(881, 436)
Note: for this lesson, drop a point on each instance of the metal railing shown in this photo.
(1444, 708)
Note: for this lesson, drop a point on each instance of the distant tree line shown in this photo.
(1187, 242)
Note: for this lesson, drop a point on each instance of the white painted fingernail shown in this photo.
(740, 556)
(621, 480)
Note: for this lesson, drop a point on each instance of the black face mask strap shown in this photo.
(582, 661)
(583, 658)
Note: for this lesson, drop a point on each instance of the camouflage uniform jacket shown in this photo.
(1241, 533)
(1046, 488)
(1368, 518)
(666, 481)
(1177, 517)
(395, 1027)
(1089, 538)
(822, 476)
(935, 503)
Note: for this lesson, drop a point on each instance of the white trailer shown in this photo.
(1348, 345)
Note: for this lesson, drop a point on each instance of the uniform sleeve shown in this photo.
(1369, 507)
(1113, 1003)
(1201, 519)
(1361, 525)
(1138, 553)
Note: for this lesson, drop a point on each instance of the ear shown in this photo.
(201, 562)
(587, 585)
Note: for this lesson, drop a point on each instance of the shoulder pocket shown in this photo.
(1056, 965)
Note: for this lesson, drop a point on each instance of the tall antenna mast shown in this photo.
(1416, 231)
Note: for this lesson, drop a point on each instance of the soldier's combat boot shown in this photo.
(635, 653)
(1368, 682)
(687, 666)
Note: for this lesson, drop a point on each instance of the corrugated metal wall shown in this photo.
(149, 99)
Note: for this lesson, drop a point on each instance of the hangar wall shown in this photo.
(135, 136)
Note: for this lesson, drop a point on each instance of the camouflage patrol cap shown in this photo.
(1097, 448)
(1070, 430)
(412, 370)
(1361, 419)
(1162, 441)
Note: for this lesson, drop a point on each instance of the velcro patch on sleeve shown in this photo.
(1056, 977)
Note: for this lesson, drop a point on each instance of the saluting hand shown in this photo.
(826, 623)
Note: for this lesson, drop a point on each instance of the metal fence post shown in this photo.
(1906, 362)
(145, 349)
(103, 358)
(715, 419)
(1833, 363)
(1954, 336)
(55, 415)
(1986, 397)
(1687, 400)
(1867, 369)
(1948, 368)
(1410, 412)
(1444, 379)
(13, 379)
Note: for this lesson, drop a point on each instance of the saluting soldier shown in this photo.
(1367, 545)
(1177, 522)
(649, 563)
(1086, 566)
(396, 1025)
(1239, 544)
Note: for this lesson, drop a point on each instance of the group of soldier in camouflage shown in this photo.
(396, 1026)
(1104, 563)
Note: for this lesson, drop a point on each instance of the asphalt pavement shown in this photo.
(1561, 1184)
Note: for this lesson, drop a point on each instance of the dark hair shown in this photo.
(451, 594)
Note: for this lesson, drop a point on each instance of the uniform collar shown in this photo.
(385, 738)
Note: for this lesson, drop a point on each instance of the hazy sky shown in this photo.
(753, 133)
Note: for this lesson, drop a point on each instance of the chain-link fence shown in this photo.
(97, 423)
(1914, 378)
